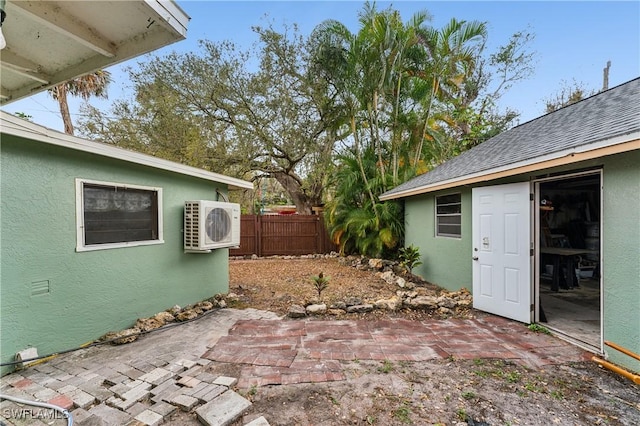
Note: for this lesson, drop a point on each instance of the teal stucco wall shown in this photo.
(621, 260)
(93, 292)
(445, 261)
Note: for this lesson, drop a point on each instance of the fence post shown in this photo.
(259, 235)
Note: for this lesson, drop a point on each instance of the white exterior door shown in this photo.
(501, 229)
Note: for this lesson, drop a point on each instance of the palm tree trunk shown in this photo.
(64, 108)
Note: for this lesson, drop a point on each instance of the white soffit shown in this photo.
(49, 42)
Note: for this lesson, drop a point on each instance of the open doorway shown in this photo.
(568, 267)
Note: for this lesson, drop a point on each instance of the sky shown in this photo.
(573, 42)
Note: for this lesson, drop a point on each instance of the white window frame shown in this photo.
(80, 236)
(437, 216)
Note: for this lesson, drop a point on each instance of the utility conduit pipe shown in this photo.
(635, 378)
(64, 412)
(623, 350)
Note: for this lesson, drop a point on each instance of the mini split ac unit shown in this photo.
(211, 225)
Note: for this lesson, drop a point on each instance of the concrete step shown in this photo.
(223, 410)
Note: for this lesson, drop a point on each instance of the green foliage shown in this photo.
(537, 328)
(409, 257)
(23, 116)
(320, 282)
(468, 395)
(409, 97)
(387, 367)
(403, 414)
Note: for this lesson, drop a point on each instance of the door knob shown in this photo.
(475, 258)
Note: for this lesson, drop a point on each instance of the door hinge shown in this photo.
(531, 196)
(530, 252)
(532, 307)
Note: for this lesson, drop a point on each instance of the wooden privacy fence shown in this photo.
(292, 235)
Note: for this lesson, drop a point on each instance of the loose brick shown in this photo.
(149, 417)
(121, 404)
(212, 392)
(185, 402)
(81, 399)
(225, 381)
(137, 408)
(186, 363)
(109, 415)
(120, 389)
(45, 394)
(138, 392)
(199, 387)
(163, 408)
(62, 401)
(156, 376)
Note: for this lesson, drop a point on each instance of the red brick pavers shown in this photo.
(288, 351)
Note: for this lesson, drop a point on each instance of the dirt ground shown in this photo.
(439, 392)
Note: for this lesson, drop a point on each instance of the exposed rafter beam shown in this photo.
(50, 15)
(12, 62)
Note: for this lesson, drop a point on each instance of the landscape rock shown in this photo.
(376, 264)
(336, 312)
(446, 302)
(175, 310)
(296, 311)
(148, 324)
(393, 303)
(186, 315)
(353, 301)
(388, 276)
(400, 282)
(205, 305)
(406, 294)
(339, 305)
(125, 336)
(409, 285)
(164, 317)
(356, 309)
(423, 302)
(316, 309)
(222, 303)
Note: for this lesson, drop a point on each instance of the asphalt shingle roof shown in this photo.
(603, 116)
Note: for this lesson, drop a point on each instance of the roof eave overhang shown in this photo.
(617, 145)
(15, 126)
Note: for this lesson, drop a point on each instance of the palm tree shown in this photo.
(94, 84)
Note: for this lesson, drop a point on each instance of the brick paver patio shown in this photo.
(302, 351)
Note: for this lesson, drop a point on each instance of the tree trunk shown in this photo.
(64, 108)
(302, 201)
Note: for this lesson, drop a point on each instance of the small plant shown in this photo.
(537, 328)
(409, 257)
(320, 282)
(462, 414)
(513, 377)
(468, 395)
(402, 414)
(387, 367)
(557, 394)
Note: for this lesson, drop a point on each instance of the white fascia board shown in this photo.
(536, 160)
(15, 126)
(172, 14)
